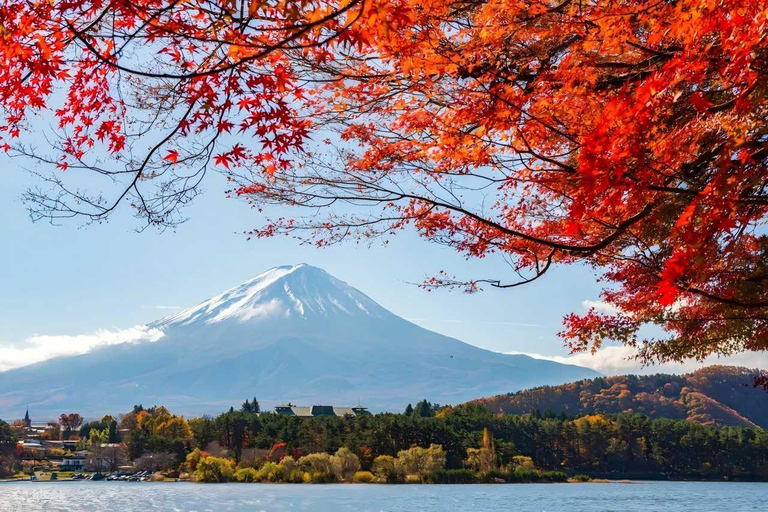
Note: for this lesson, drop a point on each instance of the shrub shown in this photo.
(271, 472)
(582, 478)
(194, 457)
(554, 476)
(451, 476)
(420, 461)
(322, 478)
(344, 464)
(363, 477)
(412, 479)
(523, 462)
(288, 462)
(384, 468)
(214, 469)
(480, 459)
(246, 475)
(520, 474)
(494, 475)
(296, 476)
(316, 462)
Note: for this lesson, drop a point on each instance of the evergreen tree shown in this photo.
(246, 407)
(110, 425)
(408, 410)
(255, 408)
(424, 409)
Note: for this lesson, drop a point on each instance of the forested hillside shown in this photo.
(426, 443)
(715, 395)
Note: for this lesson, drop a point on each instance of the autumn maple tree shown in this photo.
(630, 136)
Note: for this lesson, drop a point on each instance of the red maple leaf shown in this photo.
(222, 160)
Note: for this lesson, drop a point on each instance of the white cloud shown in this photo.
(244, 311)
(42, 347)
(618, 360)
(600, 305)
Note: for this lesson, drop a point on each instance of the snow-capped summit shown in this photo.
(298, 291)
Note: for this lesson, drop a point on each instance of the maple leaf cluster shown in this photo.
(630, 136)
(158, 90)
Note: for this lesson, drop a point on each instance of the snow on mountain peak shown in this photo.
(299, 290)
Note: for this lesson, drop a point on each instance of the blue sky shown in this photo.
(74, 278)
(67, 281)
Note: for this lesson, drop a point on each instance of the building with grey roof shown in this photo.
(313, 411)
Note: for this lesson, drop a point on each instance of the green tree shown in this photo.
(95, 438)
(203, 431)
(8, 462)
(424, 409)
(110, 424)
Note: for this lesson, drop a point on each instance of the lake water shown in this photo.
(645, 496)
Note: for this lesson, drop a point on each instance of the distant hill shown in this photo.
(292, 333)
(714, 395)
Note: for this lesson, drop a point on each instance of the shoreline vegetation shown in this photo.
(427, 444)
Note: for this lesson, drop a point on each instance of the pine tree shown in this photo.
(255, 408)
(246, 407)
(424, 409)
(408, 410)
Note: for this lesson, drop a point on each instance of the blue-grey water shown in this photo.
(591, 497)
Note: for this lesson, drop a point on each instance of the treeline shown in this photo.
(474, 445)
(414, 465)
(8, 450)
(714, 395)
(622, 445)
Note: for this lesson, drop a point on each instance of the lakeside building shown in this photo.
(313, 411)
(33, 448)
(66, 445)
(74, 463)
(35, 430)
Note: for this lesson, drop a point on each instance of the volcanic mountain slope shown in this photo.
(292, 333)
(714, 395)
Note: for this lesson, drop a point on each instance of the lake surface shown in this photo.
(645, 496)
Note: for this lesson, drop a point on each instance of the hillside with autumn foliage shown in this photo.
(715, 395)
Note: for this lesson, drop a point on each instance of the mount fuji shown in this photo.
(291, 333)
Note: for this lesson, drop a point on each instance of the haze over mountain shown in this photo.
(714, 395)
(293, 333)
